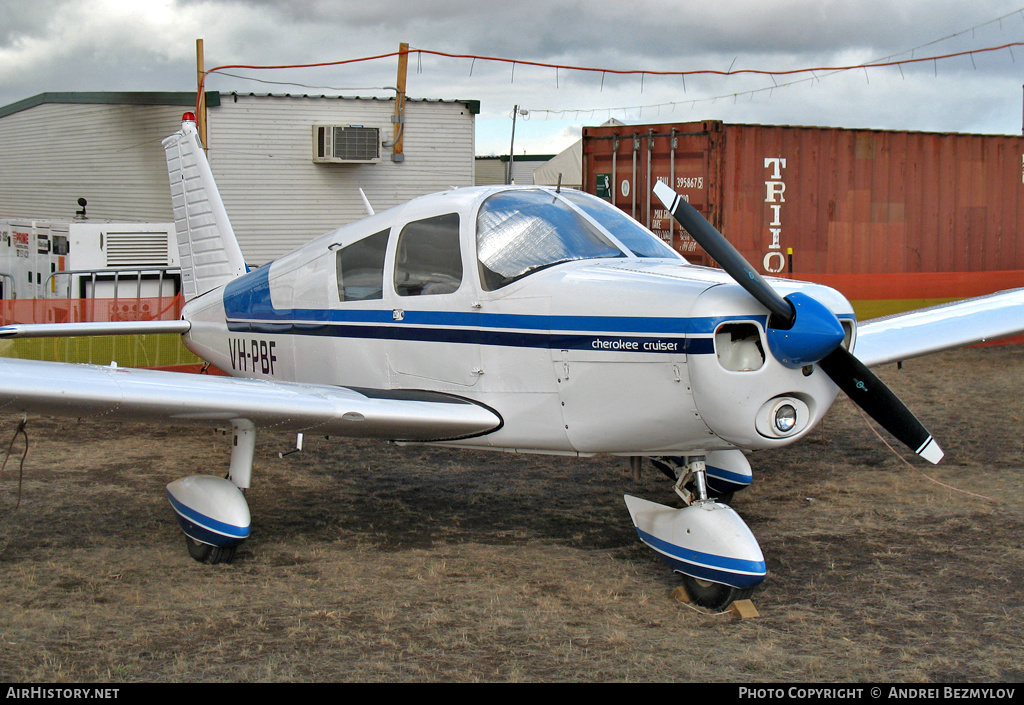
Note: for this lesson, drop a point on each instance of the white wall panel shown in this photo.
(260, 148)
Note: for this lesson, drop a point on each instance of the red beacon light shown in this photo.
(188, 117)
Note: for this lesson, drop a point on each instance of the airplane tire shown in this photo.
(212, 555)
(715, 596)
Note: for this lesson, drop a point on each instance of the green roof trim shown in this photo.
(521, 157)
(111, 98)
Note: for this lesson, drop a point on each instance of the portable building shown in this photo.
(494, 171)
(892, 219)
(289, 168)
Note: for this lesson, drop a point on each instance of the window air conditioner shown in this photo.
(346, 144)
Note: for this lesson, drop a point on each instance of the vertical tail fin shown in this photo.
(207, 247)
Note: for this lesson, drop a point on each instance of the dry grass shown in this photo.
(378, 563)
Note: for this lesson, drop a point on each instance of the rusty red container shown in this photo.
(815, 203)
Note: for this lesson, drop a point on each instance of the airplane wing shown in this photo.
(928, 330)
(64, 389)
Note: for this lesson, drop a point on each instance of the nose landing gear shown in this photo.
(705, 541)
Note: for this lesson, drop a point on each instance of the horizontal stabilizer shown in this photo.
(85, 328)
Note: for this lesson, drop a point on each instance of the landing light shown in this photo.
(785, 418)
(782, 417)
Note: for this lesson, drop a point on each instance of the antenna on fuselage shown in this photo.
(366, 203)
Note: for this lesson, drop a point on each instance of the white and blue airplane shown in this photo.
(519, 319)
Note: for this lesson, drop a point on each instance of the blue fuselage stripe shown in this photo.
(249, 308)
(614, 342)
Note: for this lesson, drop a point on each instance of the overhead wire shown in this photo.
(604, 71)
(884, 61)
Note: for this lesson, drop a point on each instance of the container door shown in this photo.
(623, 167)
(686, 161)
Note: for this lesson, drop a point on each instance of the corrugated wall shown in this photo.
(492, 171)
(895, 219)
(861, 201)
(53, 154)
(260, 148)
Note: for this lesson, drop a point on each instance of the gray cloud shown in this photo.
(51, 45)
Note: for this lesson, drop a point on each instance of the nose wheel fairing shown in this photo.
(705, 540)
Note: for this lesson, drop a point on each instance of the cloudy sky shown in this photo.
(109, 45)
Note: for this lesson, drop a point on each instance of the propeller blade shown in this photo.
(722, 251)
(816, 340)
(870, 393)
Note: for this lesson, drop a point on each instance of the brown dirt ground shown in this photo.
(371, 562)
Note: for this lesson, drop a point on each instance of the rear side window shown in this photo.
(361, 268)
(428, 260)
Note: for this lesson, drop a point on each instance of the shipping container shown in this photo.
(860, 209)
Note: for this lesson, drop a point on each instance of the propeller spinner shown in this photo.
(802, 331)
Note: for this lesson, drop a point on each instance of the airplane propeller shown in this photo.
(802, 331)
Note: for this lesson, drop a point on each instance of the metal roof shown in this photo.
(111, 98)
(473, 105)
(182, 98)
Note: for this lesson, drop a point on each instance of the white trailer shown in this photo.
(46, 259)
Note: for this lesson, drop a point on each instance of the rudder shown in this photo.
(207, 248)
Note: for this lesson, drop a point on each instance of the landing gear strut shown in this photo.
(212, 510)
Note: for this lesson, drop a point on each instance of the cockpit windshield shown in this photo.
(521, 231)
(630, 233)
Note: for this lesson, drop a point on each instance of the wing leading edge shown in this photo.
(149, 395)
(928, 330)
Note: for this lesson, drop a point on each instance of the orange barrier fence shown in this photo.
(152, 351)
(158, 308)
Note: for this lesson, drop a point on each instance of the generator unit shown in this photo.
(47, 259)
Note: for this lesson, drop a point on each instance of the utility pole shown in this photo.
(512, 147)
(201, 89)
(397, 155)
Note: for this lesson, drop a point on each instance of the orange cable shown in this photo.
(730, 72)
(912, 467)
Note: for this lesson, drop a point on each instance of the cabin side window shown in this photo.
(428, 260)
(361, 268)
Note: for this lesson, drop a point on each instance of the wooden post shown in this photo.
(201, 86)
(399, 135)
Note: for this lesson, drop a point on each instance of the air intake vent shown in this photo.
(136, 249)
